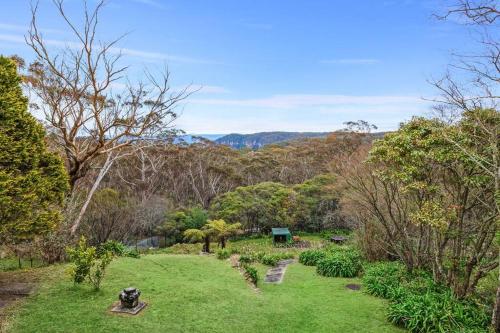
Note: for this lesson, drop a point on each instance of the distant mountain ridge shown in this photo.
(258, 140)
(190, 138)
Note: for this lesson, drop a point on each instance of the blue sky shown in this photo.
(265, 65)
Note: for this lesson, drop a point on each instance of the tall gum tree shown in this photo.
(93, 121)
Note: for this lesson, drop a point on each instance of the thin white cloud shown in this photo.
(151, 3)
(311, 100)
(351, 61)
(24, 28)
(11, 38)
(191, 88)
(145, 55)
(161, 56)
(206, 89)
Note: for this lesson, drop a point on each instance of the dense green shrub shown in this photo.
(419, 304)
(115, 247)
(436, 312)
(118, 249)
(223, 254)
(83, 258)
(274, 258)
(259, 255)
(99, 269)
(340, 264)
(311, 257)
(33, 180)
(380, 279)
(251, 273)
(247, 258)
(88, 263)
(133, 254)
(182, 248)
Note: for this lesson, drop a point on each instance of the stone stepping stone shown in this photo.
(353, 286)
(276, 274)
(12, 291)
(16, 288)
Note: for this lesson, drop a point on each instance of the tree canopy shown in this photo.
(32, 180)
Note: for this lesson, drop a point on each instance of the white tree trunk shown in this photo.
(104, 170)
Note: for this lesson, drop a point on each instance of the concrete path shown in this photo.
(276, 274)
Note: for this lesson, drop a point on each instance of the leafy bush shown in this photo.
(259, 256)
(83, 258)
(133, 254)
(182, 248)
(419, 304)
(436, 312)
(99, 268)
(247, 258)
(340, 264)
(273, 259)
(115, 247)
(311, 257)
(88, 263)
(381, 279)
(251, 273)
(223, 254)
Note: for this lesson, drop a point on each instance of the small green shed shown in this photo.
(281, 235)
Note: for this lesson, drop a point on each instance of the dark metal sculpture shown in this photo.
(129, 302)
(129, 297)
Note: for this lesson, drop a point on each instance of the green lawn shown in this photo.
(187, 293)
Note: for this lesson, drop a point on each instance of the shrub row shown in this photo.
(246, 258)
(251, 273)
(270, 259)
(274, 258)
(340, 264)
(311, 257)
(419, 304)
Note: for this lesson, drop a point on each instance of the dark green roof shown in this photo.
(280, 231)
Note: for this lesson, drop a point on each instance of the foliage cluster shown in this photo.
(340, 262)
(311, 257)
(423, 198)
(213, 229)
(419, 304)
(89, 263)
(116, 248)
(33, 181)
(272, 259)
(246, 258)
(177, 222)
(251, 273)
(310, 206)
(223, 254)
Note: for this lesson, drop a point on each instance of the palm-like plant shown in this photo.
(217, 229)
(222, 230)
(198, 235)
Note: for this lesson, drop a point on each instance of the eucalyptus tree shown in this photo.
(90, 117)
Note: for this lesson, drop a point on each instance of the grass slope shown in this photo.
(188, 293)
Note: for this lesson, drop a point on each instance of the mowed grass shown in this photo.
(188, 293)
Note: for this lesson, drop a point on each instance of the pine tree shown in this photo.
(32, 180)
